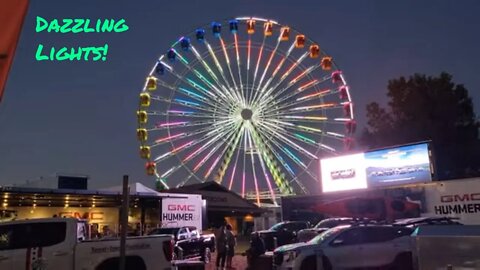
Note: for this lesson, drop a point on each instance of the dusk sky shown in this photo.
(78, 117)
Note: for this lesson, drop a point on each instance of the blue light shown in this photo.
(216, 29)
(200, 35)
(233, 26)
(185, 43)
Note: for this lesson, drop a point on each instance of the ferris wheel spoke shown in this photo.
(236, 162)
(309, 130)
(259, 58)
(312, 108)
(210, 71)
(184, 181)
(267, 156)
(229, 150)
(182, 135)
(269, 62)
(187, 92)
(278, 142)
(237, 51)
(284, 76)
(222, 73)
(227, 59)
(249, 50)
(294, 135)
(269, 141)
(226, 153)
(186, 114)
(196, 96)
(252, 159)
(299, 90)
(184, 146)
(279, 66)
(244, 161)
(289, 142)
(200, 76)
(180, 124)
(190, 82)
(214, 137)
(184, 103)
(306, 139)
(282, 161)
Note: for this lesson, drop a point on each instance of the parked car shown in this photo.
(350, 246)
(307, 234)
(282, 233)
(189, 243)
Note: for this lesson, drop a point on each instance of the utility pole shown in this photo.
(124, 222)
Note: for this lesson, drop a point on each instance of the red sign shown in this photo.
(460, 197)
(181, 207)
(92, 216)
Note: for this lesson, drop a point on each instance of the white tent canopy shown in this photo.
(140, 189)
(135, 189)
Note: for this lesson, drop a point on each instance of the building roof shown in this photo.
(219, 198)
(109, 197)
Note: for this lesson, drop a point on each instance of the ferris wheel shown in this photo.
(248, 103)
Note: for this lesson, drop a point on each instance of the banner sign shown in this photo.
(181, 212)
(401, 165)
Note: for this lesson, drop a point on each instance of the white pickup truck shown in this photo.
(60, 243)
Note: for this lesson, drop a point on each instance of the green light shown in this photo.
(305, 139)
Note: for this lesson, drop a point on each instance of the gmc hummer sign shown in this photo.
(181, 212)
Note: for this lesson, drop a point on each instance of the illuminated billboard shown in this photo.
(343, 173)
(401, 165)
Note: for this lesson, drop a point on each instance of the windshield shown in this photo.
(277, 226)
(326, 234)
(330, 223)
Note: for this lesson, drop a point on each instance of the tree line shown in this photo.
(432, 108)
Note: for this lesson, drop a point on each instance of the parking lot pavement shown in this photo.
(239, 262)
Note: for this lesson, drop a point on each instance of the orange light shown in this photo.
(326, 63)
(251, 26)
(314, 51)
(300, 41)
(268, 29)
(285, 33)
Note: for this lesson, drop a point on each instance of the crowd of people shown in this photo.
(225, 246)
(226, 243)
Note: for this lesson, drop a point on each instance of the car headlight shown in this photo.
(290, 256)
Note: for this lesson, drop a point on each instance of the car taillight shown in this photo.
(168, 249)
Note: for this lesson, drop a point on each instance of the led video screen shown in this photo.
(397, 166)
(343, 173)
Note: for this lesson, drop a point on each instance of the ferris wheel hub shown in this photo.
(246, 114)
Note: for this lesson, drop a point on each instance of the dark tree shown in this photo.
(428, 108)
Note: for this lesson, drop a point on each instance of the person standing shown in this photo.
(221, 246)
(231, 243)
(257, 248)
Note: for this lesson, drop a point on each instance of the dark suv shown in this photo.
(282, 233)
(307, 234)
